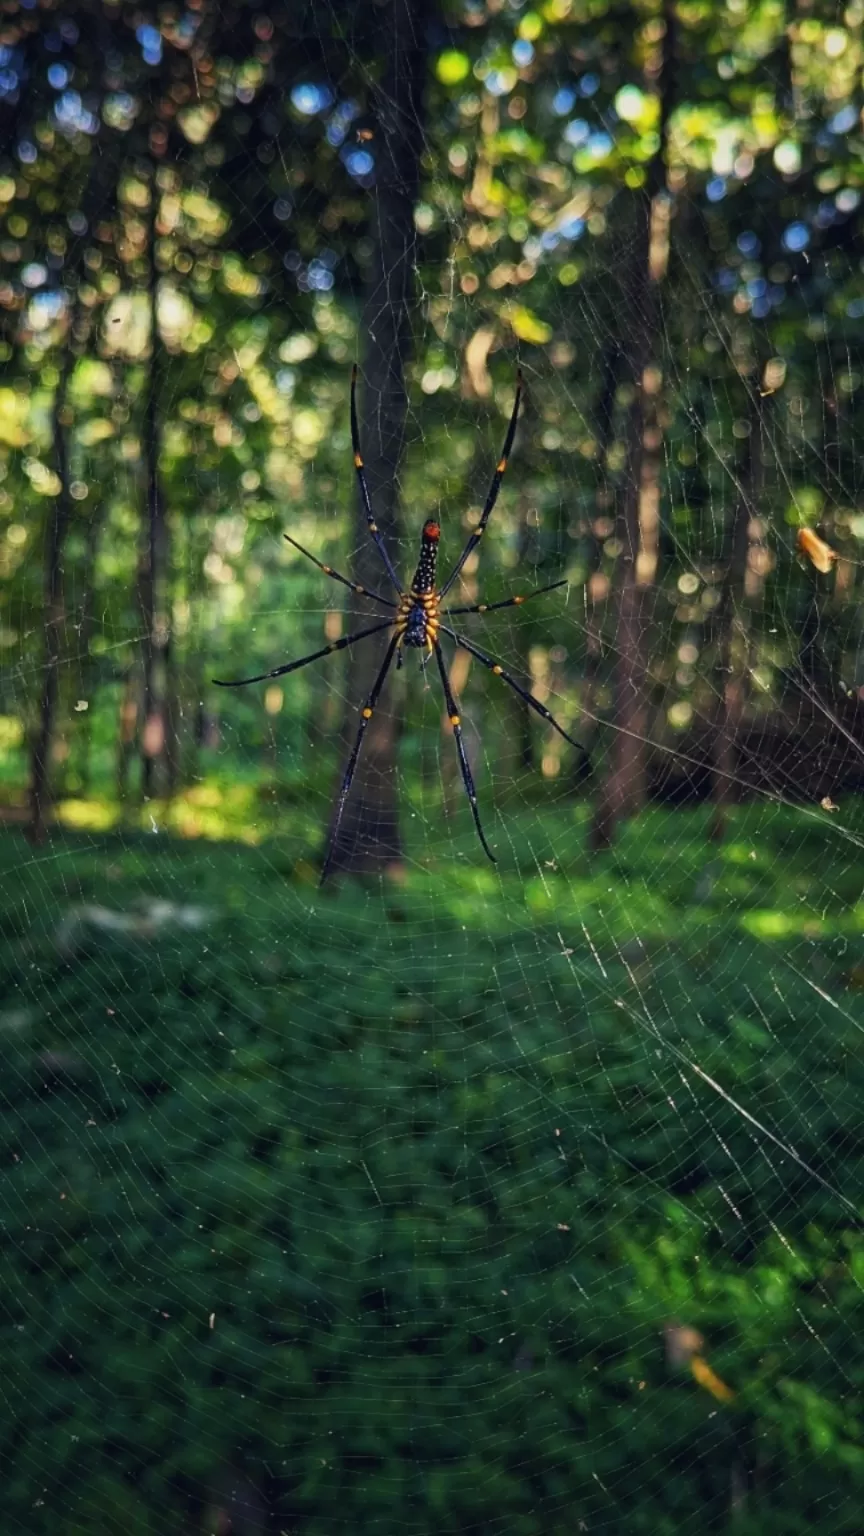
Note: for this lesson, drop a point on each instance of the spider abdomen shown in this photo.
(418, 621)
(416, 628)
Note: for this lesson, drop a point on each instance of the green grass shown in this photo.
(382, 1199)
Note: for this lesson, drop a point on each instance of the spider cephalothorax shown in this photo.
(418, 620)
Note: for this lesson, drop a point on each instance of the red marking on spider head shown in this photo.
(431, 529)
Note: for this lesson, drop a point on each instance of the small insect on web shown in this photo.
(419, 621)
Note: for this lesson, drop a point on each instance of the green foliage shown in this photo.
(394, 1230)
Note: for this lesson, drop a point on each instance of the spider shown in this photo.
(418, 621)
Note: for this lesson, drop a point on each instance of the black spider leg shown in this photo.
(366, 714)
(293, 666)
(523, 693)
(509, 602)
(492, 497)
(328, 570)
(364, 489)
(467, 779)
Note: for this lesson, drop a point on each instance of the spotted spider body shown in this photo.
(417, 620)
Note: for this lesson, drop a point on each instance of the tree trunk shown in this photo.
(86, 628)
(54, 608)
(368, 838)
(126, 733)
(623, 791)
(731, 665)
(98, 187)
(158, 754)
(520, 748)
(523, 739)
(820, 639)
(596, 589)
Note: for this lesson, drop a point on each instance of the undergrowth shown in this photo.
(416, 1209)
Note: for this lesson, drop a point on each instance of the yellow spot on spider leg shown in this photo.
(498, 671)
(454, 720)
(367, 713)
(518, 599)
(358, 461)
(373, 527)
(328, 570)
(501, 467)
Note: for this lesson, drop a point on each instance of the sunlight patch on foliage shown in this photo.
(44, 480)
(88, 815)
(198, 121)
(452, 67)
(14, 412)
(11, 733)
(525, 324)
(97, 430)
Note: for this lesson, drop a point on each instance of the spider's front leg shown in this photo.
(456, 722)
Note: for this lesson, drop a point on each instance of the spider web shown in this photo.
(523, 1195)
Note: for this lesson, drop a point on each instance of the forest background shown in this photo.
(448, 1196)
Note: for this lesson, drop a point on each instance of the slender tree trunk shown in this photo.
(523, 738)
(126, 733)
(99, 187)
(368, 838)
(731, 663)
(623, 790)
(158, 754)
(595, 586)
(519, 748)
(54, 608)
(86, 629)
(820, 642)
(86, 622)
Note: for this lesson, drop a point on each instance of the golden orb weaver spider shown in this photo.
(418, 622)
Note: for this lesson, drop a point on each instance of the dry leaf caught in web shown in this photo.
(476, 374)
(682, 1343)
(702, 1372)
(684, 1351)
(816, 550)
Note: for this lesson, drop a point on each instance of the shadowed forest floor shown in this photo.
(502, 1197)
